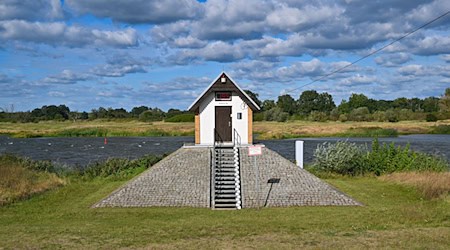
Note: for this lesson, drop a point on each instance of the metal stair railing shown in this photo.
(236, 138)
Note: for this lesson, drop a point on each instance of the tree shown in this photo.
(358, 100)
(430, 104)
(344, 107)
(254, 97)
(287, 104)
(150, 115)
(401, 103)
(326, 103)
(415, 104)
(444, 102)
(136, 111)
(307, 102)
(310, 101)
(173, 112)
(268, 104)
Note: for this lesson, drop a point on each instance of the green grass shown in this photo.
(99, 132)
(394, 216)
(441, 129)
(181, 118)
(369, 132)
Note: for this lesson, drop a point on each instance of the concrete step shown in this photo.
(225, 196)
(226, 172)
(224, 187)
(225, 207)
(225, 201)
(225, 191)
(225, 178)
(227, 165)
(224, 183)
(224, 161)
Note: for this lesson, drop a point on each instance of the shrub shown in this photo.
(334, 114)
(276, 114)
(379, 116)
(343, 118)
(391, 115)
(360, 114)
(257, 117)
(341, 158)
(181, 118)
(349, 159)
(318, 116)
(151, 115)
(120, 168)
(405, 115)
(431, 118)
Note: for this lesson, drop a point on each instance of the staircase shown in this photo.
(226, 188)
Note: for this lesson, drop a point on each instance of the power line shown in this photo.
(370, 54)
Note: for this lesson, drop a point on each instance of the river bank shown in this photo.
(263, 130)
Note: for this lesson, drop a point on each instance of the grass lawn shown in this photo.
(265, 130)
(394, 216)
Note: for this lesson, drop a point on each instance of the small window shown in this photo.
(223, 96)
(239, 116)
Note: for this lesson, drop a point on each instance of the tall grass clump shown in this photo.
(349, 159)
(21, 178)
(441, 129)
(430, 184)
(81, 132)
(119, 168)
(370, 132)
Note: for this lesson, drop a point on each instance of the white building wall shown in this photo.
(207, 118)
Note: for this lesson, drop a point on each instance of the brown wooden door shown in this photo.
(223, 124)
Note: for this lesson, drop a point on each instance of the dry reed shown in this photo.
(430, 184)
(17, 182)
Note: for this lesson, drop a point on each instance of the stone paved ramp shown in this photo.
(180, 179)
(183, 179)
(297, 187)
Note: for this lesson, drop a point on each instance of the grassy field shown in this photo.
(265, 130)
(394, 216)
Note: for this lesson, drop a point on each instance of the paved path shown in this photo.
(183, 179)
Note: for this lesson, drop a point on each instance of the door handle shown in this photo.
(229, 124)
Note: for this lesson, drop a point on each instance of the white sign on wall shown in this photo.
(254, 150)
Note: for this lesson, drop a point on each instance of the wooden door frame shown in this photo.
(227, 133)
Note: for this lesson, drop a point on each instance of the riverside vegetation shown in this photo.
(263, 129)
(407, 206)
(312, 114)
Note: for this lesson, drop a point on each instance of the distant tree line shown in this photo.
(315, 106)
(311, 105)
(62, 113)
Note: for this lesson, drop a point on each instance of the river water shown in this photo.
(82, 151)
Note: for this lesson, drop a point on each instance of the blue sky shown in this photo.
(91, 53)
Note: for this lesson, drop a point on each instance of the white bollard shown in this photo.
(299, 153)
